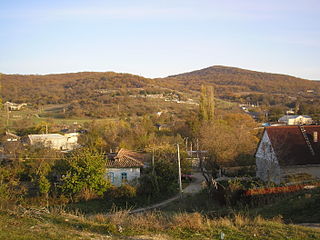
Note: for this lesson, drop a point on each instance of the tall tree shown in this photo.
(206, 106)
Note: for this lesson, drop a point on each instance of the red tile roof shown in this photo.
(291, 147)
(126, 159)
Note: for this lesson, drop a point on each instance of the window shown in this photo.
(111, 177)
(124, 177)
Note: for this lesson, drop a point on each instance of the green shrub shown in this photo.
(83, 174)
(124, 192)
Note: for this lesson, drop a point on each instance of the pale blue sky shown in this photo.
(160, 38)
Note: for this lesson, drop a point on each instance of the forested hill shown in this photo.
(64, 88)
(102, 86)
(240, 80)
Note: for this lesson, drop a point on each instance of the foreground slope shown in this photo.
(34, 225)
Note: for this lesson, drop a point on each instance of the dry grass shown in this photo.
(158, 221)
(152, 221)
(241, 220)
(222, 222)
(150, 225)
(193, 221)
(99, 218)
(119, 218)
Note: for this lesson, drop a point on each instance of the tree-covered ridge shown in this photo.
(62, 88)
(237, 79)
(109, 94)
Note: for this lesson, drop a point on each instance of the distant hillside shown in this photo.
(62, 88)
(228, 79)
(92, 94)
(109, 94)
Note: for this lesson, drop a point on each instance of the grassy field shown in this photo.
(34, 225)
(53, 113)
(48, 114)
(194, 217)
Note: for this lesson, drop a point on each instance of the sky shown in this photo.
(160, 38)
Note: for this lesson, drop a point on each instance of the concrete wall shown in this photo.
(115, 175)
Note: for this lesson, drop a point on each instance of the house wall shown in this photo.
(312, 169)
(299, 120)
(58, 143)
(66, 142)
(72, 140)
(116, 173)
(267, 165)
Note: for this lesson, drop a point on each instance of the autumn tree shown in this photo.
(225, 141)
(206, 106)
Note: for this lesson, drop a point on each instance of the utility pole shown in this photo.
(153, 161)
(8, 115)
(186, 144)
(198, 148)
(179, 170)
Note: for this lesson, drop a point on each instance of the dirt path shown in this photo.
(196, 184)
(193, 188)
(312, 225)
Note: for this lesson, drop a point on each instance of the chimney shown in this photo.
(315, 137)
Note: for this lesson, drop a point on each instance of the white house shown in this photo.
(296, 120)
(287, 150)
(61, 142)
(14, 106)
(124, 167)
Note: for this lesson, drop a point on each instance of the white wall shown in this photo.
(267, 165)
(59, 142)
(299, 120)
(132, 174)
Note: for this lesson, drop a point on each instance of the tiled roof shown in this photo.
(291, 147)
(125, 159)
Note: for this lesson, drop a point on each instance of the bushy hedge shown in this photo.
(254, 191)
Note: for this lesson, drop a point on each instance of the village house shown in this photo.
(296, 120)
(14, 106)
(124, 167)
(288, 150)
(66, 142)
